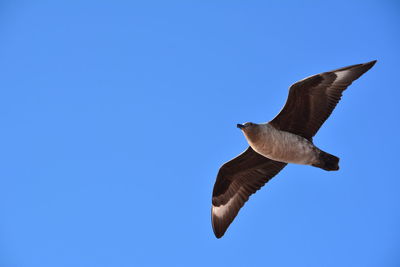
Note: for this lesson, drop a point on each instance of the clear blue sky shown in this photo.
(116, 117)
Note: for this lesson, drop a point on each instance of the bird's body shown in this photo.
(282, 146)
(285, 139)
(286, 147)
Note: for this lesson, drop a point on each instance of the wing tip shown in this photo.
(218, 229)
(366, 67)
(218, 235)
(371, 63)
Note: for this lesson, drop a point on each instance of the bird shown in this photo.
(287, 138)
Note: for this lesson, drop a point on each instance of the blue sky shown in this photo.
(116, 117)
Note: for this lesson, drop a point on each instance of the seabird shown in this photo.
(285, 139)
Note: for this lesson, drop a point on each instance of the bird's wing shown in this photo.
(312, 100)
(236, 181)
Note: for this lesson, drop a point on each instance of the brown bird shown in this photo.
(285, 139)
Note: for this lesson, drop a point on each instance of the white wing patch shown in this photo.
(220, 211)
(341, 75)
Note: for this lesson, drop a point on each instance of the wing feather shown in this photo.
(236, 181)
(312, 100)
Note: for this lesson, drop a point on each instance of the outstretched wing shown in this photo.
(312, 100)
(236, 181)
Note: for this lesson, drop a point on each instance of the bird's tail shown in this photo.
(327, 162)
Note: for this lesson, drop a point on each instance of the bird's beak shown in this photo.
(240, 126)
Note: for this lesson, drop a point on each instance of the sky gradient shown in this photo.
(116, 117)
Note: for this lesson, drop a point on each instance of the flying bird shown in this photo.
(285, 139)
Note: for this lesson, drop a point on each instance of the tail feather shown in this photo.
(328, 162)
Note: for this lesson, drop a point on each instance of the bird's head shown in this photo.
(245, 126)
(248, 126)
(250, 130)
